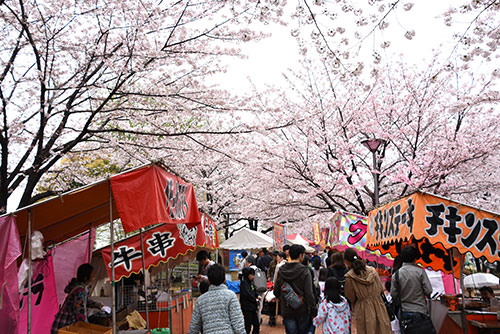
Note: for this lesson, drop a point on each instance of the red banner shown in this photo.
(151, 195)
(210, 231)
(160, 244)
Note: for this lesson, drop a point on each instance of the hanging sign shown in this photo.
(316, 233)
(351, 233)
(151, 195)
(437, 225)
(210, 231)
(160, 244)
(279, 236)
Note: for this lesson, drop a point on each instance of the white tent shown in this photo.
(299, 240)
(247, 239)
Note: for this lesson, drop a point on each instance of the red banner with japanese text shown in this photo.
(151, 195)
(278, 236)
(435, 225)
(210, 231)
(160, 244)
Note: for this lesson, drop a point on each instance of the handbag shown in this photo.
(389, 307)
(291, 297)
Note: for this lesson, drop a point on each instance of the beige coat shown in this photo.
(364, 293)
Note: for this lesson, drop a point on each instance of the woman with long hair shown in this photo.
(364, 290)
(338, 269)
(333, 312)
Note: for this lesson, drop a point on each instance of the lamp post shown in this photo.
(373, 145)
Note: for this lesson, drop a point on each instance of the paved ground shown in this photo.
(279, 328)
(265, 329)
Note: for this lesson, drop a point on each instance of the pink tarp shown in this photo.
(367, 255)
(67, 258)
(10, 250)
(43, 298)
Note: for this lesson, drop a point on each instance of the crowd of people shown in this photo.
(335, 291)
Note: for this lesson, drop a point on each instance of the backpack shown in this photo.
(260, 281)
(291, 297)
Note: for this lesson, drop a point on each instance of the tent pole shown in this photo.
(452, 274)
(464, 315)
(30, 273)
(90, 243)
(112, 236)
(144, 280)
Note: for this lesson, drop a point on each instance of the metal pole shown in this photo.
(144, 279)
(464, 315)
(112, 236)
(375, 178)
(452, 273)
(30, 274)
(90, 244)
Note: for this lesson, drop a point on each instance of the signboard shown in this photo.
(160, 244)
(279, 236)
(235, 259)
(435, 225)
(351, 230)
(351, 233)
(210, 230)
(316, 233)
(151, 195)
(325, 237)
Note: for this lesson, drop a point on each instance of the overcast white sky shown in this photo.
(269, 58)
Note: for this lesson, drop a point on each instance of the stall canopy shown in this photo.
(435, 225)
(348, 230)
(247, 239)
(160, 244)
(299, 239)
(164, 198)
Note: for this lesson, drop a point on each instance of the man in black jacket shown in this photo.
(249, 300)
(299, 278)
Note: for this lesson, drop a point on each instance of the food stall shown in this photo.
(141, 197)
(163, 296)
(443, 231)
(348, 230)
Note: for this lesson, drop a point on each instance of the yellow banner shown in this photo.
(317, 236)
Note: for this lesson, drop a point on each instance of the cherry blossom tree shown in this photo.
(74, 71)
(440, 137)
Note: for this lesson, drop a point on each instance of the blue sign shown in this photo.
(235, 259)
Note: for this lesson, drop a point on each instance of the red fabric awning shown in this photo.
(151, 195)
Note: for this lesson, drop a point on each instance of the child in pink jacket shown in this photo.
(333, 312)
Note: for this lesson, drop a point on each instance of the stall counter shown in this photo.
(452, 323)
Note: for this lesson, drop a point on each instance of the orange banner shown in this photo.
(443, 223)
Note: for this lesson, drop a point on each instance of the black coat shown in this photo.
(248, 296)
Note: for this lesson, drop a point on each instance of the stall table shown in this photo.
(477, 321)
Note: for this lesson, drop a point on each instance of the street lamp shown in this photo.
(373, 145)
